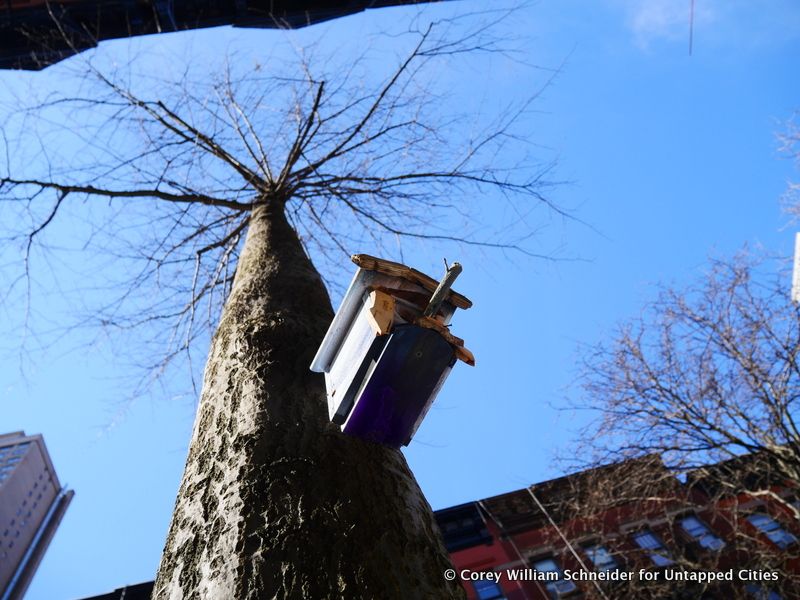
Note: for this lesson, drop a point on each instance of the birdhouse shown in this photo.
(389, 349)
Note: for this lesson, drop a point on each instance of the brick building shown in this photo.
(601, 533)
(614, 526)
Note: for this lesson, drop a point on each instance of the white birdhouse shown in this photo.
(388, 349)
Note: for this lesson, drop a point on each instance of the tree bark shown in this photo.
(275, 502)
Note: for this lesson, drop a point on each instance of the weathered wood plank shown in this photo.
(458, 344)
(380, 311)
(388, 267)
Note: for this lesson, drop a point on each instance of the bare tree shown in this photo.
(790, 145)
(707, 374)
(217, 192)
(707, 380)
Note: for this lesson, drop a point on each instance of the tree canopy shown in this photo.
(166, 165)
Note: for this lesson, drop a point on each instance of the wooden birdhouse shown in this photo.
(388, 349)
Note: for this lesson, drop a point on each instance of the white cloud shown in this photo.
(715, 22)
(653, 20)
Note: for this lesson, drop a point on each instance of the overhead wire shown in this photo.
(521, 558)
(566, 541)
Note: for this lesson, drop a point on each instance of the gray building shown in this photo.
(140, 591)
(32, 503)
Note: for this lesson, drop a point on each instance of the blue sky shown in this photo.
(667, 159)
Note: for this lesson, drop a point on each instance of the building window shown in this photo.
(649, 541)
(701, 533)
(601, 558)
(487, 590)
(462, 527)
(772, 529)
(558, 587)
(760, 593)
(20, 449)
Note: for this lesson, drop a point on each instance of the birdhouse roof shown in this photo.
(394, 269)
(375, 273)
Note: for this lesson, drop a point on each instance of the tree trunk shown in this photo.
(275, 502)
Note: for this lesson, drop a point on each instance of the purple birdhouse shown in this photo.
(389, 350)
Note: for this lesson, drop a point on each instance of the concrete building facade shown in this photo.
(32, 503)
(37, 33)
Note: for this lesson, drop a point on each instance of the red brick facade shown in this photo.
(748, 539)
